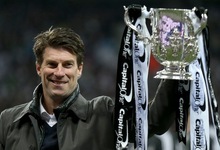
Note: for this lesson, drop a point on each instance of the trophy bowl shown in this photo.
(174, 42)
(174, 39)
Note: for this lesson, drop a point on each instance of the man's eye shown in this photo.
(52, 65)
(68, 65)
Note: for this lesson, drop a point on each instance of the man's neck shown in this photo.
(50, 104)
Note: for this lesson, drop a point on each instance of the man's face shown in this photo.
(59, 73)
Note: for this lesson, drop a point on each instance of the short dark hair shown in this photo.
(60, 37)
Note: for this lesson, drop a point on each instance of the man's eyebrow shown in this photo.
(51, 60)
(69, 61)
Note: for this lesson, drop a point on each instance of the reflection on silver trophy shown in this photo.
(174, 39)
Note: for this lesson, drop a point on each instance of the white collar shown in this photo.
(50, 119)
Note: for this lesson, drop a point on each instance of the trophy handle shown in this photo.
(145, 13)
(127, 20)
(203, 21)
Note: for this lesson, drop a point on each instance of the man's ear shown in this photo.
(38, 68)
(80, 69)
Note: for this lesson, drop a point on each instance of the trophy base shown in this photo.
(164, 74)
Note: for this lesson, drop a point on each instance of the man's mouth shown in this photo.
(57, 82)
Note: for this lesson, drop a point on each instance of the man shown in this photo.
(59, 117)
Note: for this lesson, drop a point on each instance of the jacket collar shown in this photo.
(24, 112)
(75, 102)
(80, 107)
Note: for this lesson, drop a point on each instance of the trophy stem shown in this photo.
(174, 72)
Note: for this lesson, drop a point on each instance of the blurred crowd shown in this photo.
(100, 24)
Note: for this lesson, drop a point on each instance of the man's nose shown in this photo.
(59, 72)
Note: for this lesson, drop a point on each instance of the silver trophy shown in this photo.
(174, 39)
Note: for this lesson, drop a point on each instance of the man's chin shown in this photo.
(59, 96)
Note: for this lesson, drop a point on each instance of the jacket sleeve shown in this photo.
(1, 132)
(162, 107)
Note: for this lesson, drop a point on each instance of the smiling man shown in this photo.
(59, 74)
(59, 117)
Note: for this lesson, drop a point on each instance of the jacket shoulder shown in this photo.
(11, 114)
(102, 104)
(8, 117)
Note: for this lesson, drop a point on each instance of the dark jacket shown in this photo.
(82, 124)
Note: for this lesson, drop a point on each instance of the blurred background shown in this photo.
(100, 24)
